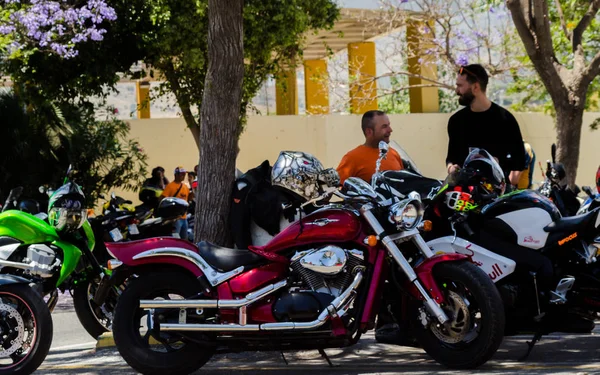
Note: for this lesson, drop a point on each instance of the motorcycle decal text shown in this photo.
(567, 239)
(479, 264)
(497, 272)
(530, 240)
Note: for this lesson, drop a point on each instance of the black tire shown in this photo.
(92, 318)
(482, 341)
(136, 349)
(31, 304)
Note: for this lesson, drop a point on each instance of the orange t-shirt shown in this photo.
(172, 188)
(360, 162)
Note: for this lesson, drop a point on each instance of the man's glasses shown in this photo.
(464, 70)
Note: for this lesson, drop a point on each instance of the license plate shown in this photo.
(133, 229)
(116, 235)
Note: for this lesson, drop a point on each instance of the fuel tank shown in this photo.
(26, 228)
(519, 218)
(324, 225)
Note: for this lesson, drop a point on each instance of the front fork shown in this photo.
(388, 241)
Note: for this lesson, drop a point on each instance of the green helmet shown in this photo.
(66, 211)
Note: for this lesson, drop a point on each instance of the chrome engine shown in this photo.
(40, 261)
(329, 269)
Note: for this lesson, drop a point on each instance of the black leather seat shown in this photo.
(571, 223)
(224, 259)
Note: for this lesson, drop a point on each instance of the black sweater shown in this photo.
(495, 130)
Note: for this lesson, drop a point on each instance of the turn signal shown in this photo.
(372, 240)
(426, 226)
(113, 263)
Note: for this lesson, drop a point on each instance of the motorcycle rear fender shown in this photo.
(495, 266)
(158, 251)
(7, 279)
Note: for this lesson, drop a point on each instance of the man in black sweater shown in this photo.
(484, 124)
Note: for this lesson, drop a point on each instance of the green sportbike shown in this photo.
(54, 252)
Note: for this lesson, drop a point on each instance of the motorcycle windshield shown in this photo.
(409, 163)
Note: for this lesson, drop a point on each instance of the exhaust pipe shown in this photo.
(212, 304)
(332, 310)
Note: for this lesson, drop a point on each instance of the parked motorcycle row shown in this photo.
(448, 251)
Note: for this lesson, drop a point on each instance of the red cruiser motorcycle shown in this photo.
(317, 284)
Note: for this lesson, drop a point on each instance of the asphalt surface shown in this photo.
(73, 352)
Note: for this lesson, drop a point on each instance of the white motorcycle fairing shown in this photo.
(495, 266)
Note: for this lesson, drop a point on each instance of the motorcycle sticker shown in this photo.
(567, 239)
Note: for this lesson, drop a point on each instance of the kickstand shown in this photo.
(531, 344)
(324, 355)
(284, 360)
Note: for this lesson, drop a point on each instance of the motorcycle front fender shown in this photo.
(7, 279)
(424, 273)
(494, 265)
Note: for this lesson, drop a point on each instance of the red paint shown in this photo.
(337, 327)
(262, 313)
(344, 226)
(227, 315)
(374, 295)
(424, 273)
(125, 251)
(257, 278)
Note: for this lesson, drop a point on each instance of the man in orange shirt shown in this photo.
(178, 189)
(360, 162)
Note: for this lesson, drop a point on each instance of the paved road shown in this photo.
(73, 353)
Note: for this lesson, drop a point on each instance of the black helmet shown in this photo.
(485, 171)
(30, 206)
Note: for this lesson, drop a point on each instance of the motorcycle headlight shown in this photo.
(406, 214)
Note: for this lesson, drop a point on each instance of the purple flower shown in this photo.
(462, 59)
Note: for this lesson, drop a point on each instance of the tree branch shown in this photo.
(593, 70)
(563, 23)
(184, 105)
(584, 23)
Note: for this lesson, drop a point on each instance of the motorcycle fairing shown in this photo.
(495, 266)
(528, 224)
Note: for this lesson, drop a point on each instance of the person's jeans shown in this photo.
(180, 229)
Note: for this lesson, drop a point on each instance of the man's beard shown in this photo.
(466, 98)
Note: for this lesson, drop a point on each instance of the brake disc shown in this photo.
(459, 325)
(13, 330)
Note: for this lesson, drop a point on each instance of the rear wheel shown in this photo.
(95, 319)
(476, 326)
(148, 351)
(25, 329)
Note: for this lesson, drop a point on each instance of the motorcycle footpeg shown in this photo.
(559, 296)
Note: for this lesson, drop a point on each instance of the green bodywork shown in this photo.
(29, 230)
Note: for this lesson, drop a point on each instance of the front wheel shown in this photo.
(95, 319)
(476, 326)
(25, 329)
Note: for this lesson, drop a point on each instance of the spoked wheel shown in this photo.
(25, 329)
(95, 319)
(146, 349)
(476, 318)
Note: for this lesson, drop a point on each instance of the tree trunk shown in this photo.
(219, 120)
(569, 120)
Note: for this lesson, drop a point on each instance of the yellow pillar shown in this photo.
(316, 87)
(422, 99)
(142, 91)
(362, 74)
(286, 93)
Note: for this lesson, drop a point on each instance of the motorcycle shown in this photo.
(317, 285)
(41, 250)
(25, 325)
(517, 223)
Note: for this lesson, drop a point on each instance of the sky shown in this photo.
(364, 4)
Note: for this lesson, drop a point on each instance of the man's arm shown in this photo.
(452, 162)
(346, 168)
(516, 149)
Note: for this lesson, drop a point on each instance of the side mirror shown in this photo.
(588, 191)
(112, 195)
(383, 148)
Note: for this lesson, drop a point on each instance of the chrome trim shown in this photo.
(222, 304)
(337, 307)
(337, 206)
(214, 277)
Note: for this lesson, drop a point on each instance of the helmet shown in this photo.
(299, 173)
(486, 171)
(30, 206)
(66, 211)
